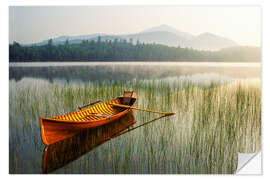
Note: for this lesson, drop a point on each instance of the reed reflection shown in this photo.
(63, 152)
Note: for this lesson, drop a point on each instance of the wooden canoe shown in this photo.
(63, 126)
(64, 152)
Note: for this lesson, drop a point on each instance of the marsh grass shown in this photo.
(213, 121)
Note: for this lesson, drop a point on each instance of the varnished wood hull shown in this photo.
(63, 152)
(61, 127)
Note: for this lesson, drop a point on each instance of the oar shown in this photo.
(126, 106)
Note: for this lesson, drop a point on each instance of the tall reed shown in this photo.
(212, 122)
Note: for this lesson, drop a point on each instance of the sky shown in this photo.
(31, 24)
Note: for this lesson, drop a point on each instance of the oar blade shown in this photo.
(169, 113)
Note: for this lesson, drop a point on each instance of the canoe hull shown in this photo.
(54, 131)
(61, 127)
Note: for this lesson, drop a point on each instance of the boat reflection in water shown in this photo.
(63, 152)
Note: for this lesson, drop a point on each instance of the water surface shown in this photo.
(97, 71)
(192, 64)
(216, 105)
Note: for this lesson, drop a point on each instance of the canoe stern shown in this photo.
(42, 132)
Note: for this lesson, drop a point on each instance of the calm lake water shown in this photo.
(92, 71)
(183, 143)
(181, 64)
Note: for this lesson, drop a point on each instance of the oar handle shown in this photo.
(147, 110)
(89, 104)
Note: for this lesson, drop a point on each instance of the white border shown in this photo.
(265, 68)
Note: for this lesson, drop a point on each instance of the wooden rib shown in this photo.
(106, 110)
(85, 118)
(88, 113)
(100, 111)
(80, 116)
(62, 117)
(108, 106)
(109, 109)
(101, 107)
(84, 113)
(89, 117)
(66, 116)
(95, 118)
(73, 118)
(94, 109)
(69, 117)
(77, 116)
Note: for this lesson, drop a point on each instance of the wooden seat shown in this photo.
(127, 96)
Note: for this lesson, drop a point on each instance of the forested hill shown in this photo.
(122, 50)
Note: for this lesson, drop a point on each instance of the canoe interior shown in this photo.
(93, 113)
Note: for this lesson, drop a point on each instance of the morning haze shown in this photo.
(34, 24)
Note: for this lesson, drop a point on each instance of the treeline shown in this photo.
(116, 50)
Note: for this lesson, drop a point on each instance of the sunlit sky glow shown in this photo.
(34, 24)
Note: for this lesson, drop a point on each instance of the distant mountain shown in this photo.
(208, 41)
(167, 28)
(158, 37)
(205, 41)
(162, 34)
